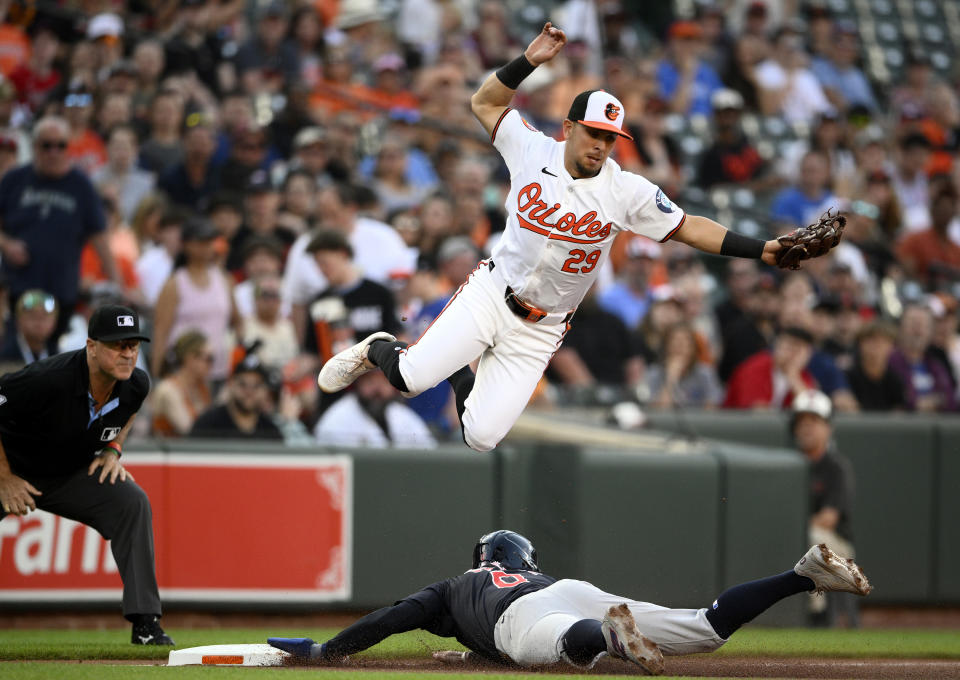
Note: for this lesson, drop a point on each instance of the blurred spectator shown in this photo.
(48, 210)
(787, 87)
(35, 318)
(659, 155)
(351, 301)
(148, 65)
(827, 135)
(181, 396)
(930, 255)
(394, 189)
(732, 159)
(370, 416)
(598, 350)
(197, 296)
(305, 44)
(156, 262)
(310, 152)
(249, 153)
(130, 183)
(945, 344)
(242, 416)
(298, 203)
(494, 43)
(753, 329)
(741, 278)
(191, 182)
(911, 94)
(831, 495)
(803, 203)
(163, 148)
(741, 75)
(378, 251)
(577, 79)
(226, 214)
(14, 43)
(666, 311)
(261, 209)
(194, 46)
(679, 378)
(630, 297)
(686, 81)
(772, 379)
(863, 233)
(276, 335)
(844, 83)
(942, 128)
(879, 192)
(35, 78)
(909, 181)
(9, 146)
(262, 256)
(85, 148)
(926, 379)
(124, 252)
(876, 386)
(821, 321)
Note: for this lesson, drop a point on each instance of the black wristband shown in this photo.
(738, 245)
(513, 73)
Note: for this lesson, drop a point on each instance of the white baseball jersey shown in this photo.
(559, 229)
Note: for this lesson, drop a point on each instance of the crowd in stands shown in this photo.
(269, 181)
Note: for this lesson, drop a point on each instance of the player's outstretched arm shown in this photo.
(381, 624)
(704, 234)
(497, 90)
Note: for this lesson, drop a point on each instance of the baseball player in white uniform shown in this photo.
(568, 201)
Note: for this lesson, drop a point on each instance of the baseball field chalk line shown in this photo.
(228, 655)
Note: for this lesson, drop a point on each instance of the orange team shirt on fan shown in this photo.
(91, 268)
(14, 48)
(87, 151)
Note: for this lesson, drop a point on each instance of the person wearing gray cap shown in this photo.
(63, 422)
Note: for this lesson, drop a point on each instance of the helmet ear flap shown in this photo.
(476, 555)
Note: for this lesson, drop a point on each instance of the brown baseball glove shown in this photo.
(811, 241)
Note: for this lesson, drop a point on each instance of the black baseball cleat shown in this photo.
(147, 631)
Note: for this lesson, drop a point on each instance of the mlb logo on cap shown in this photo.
(600, 110)
(114, 322)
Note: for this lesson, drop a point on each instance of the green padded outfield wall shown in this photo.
(893, 519)
(947, 585)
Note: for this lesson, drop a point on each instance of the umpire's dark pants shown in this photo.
(121, 513)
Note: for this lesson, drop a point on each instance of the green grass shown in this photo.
(114, 644)
(22, 646)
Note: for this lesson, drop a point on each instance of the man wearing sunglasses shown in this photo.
(63, 422)
(48, 210)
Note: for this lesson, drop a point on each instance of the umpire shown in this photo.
(63, 421)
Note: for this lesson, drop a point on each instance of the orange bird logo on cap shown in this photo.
(612, 111)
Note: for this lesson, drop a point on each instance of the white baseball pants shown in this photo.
(513, 355)
(531, 630)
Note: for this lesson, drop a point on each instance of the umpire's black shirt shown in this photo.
(45, 422)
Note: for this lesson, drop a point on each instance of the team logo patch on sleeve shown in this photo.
(663, 202)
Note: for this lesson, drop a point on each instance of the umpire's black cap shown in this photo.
(115, 322)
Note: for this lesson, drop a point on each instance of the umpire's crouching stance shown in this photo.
(63, 421)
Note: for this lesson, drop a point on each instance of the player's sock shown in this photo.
(740, 604)
(462, 383)
(583, 641)
(386, 356)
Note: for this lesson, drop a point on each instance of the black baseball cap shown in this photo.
(115, 322)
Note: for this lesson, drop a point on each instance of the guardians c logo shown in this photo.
(612, 111)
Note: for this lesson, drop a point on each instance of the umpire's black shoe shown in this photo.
(147, 631)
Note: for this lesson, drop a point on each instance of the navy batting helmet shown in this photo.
(508, 549)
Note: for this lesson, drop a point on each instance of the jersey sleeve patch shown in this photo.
(664, 203)
(529, 127)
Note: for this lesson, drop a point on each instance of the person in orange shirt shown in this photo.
(85, 149)
(930, 254)
(14, 47)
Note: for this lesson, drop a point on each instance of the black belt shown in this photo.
(522, 309)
